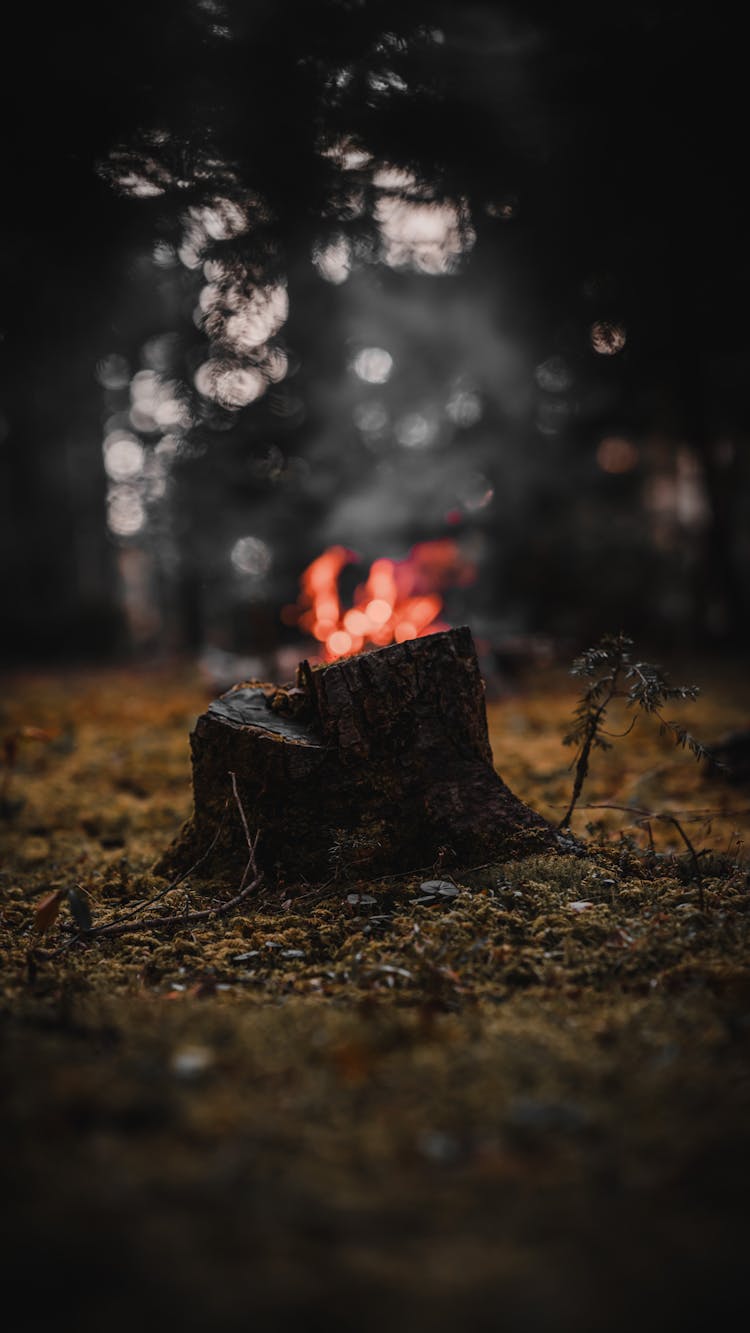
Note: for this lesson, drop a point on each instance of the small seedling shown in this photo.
(611, 673)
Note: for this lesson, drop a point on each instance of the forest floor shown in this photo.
(521, 1103)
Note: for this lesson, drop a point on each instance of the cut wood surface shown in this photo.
(375, 764)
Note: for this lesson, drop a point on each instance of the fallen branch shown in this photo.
(180, 918)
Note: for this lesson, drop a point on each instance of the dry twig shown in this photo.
(643, 819)
(124, 927)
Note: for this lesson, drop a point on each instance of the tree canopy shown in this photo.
(582, 164)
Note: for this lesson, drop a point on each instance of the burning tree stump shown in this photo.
(374, 764)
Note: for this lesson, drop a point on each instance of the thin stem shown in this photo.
(652, 814)
(252, 843)
(694, 858)
(175, 883)
(584, 754)
(667, 817)
(120, 927)
(165, 922)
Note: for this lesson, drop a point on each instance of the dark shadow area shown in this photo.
(285, 278)
(326, 325)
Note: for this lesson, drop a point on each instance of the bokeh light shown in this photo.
(373, 365)
(164, 255)
(464, 407)
(232, 386)
(167, 447)
(607, 337)
(554, 375)
(371, 419)
(348, 155)
(251, 556)
(237, 386)
(615, 454)
(161, 352)
(340, 643)
(416, 431)
(113, 372)
(425, 236)
(418, 232)
(139, 186)
(256, 316)
(398, 601)
(378, 611)
(475, 492)
(503, 209)
(387, 81)
(157, 402)
(275, 365)
(125, 513)
(223, 219)
(334, 260)
(123, 456)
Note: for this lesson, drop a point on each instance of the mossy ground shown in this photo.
(500, 1108)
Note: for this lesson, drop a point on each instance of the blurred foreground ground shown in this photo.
(525, 1105)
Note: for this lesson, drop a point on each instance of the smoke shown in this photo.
(435, 448)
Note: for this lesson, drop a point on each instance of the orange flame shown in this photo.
(399, 600)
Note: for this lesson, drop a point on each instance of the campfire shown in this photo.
(399, 600)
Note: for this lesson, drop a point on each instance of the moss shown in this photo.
(365, 1100)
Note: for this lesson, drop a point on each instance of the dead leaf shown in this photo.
(201, 989)
(353, 1061)
(48, 910)
(35, 734)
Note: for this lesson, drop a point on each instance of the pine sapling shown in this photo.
(612, 674)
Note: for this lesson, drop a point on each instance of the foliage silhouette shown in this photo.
(612, 674)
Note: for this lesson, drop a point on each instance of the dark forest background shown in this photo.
(282, 275)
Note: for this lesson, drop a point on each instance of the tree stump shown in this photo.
(375, 764)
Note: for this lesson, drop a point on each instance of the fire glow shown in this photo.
(399, 600)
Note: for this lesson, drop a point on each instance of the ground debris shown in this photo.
(500, 1067)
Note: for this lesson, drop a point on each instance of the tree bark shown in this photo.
(375, 764)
